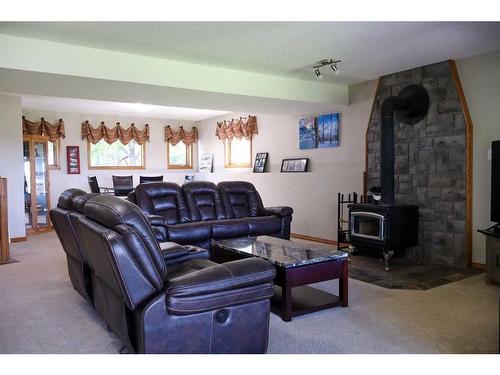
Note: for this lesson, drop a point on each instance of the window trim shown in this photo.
(57, 155)
(189, 158)
(91, 167)
(227, 155)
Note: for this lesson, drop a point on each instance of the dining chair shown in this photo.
(95, 188)
(122, 185)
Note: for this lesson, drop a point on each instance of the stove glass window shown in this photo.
(367, 225)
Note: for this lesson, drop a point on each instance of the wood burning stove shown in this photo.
(385, 230)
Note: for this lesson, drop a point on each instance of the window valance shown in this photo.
(244, 127)
(111, 135)
(42, 127)
(173, 137)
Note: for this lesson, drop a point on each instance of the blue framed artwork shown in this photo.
(307, 133)
(328, 130)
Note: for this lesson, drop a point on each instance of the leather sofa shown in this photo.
(161, 297)
(200, 211)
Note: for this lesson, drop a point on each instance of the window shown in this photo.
(53, 151)
(238, 153)
(179, 156)
(116, 155)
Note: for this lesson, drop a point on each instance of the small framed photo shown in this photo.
(294, 165)
(73, 159)
(206, 163)
(259, 166)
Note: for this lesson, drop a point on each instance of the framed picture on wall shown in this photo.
(206, 163)
(73, 159)
(328, 130)
(259, 166)
(294, 165)
(307, 133)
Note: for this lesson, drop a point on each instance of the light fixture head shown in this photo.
(325, 62)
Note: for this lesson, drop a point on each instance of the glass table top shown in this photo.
(283, 253)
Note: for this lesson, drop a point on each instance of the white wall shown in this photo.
(156, 150)
(312, 195)
(11, 161)
(480, 77)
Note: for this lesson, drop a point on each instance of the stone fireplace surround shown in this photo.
(432, 162)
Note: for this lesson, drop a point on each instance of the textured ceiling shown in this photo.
(367, 49)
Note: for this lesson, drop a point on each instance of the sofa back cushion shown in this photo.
(136, 232)
(240, 199)
(164, 199)
(64, 229)
(121, 249)
(204, 201)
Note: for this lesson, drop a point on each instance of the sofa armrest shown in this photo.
(159, 225)
(280, 211)
(222, 285)
(157, 220)
(172, 250)
(220, 277)
(173, 253)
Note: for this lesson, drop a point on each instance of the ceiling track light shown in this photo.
(326, 62)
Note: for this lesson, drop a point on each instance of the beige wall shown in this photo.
(156, 150)
(11, 161)
(480, 77)
(312, 195)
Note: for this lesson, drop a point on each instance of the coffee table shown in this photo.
(297, 265)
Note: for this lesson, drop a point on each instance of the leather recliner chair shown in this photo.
(64, 216)
(205, 204)
(242, 200)
(165, 207)
(201, 211)
(159, 305)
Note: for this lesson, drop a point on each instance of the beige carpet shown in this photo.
(41, 313)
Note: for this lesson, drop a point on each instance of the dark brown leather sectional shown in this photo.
(200, 211)
(161, 297)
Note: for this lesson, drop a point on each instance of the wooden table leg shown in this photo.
(343, 285)
(286, 303)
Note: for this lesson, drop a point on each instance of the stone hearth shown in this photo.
(430, 164)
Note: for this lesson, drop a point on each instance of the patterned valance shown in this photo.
(42, 127)
(237, 128)
(173, 137)
(111, 135)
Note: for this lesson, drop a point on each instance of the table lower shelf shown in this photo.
(305, 300)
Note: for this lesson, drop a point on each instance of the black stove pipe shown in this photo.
(410, 107)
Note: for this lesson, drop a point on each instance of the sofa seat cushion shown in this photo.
(229, 228)
(189, 233)
(262, 225)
